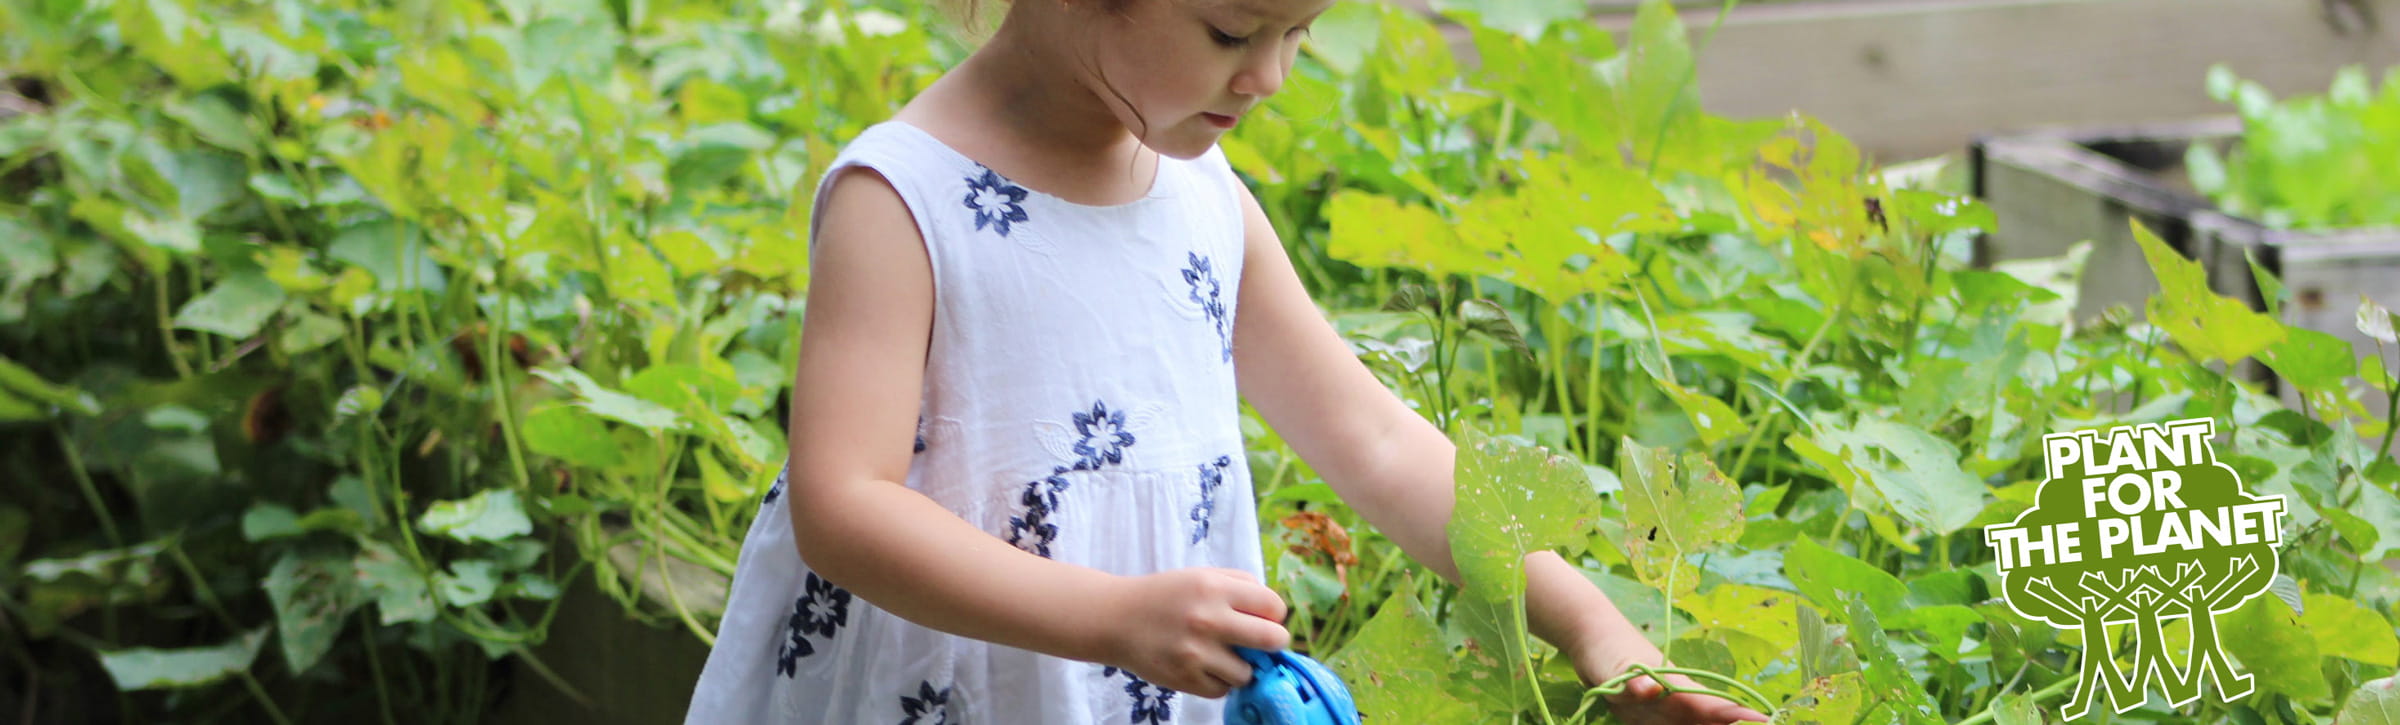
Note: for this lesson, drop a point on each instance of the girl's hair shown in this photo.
(968, 15)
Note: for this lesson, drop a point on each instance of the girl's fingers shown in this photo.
(1252, 597)
(1265, 635)
(1224, 670)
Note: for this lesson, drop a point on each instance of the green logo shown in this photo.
(2140, 525)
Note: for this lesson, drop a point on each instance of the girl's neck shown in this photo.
(1015, 105)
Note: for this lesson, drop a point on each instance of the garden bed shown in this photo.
(2052, 188)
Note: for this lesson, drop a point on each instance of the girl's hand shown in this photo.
(1645, 701)
(1177, 629)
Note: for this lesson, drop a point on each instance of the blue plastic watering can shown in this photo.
(1289, 689)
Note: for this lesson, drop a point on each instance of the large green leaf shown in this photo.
(1927, 486)
(2310, 359)
(17, 379)
(1888, 679)
(1829, 577)
(2344, 629)
(236, 307)
(1526, 18)
(2275, 648)
(144, 668)
(2209, 326)
(1514, 500)
(1673, 508)
(313, 597)
(611, 404)
(1398, 667)
(491, 515)
(570, 434)
(399, 589)
(2375, 702)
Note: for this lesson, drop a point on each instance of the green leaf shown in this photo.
(1833, 700)
(1513, 500)
(309, 332)
(1674, 509)
(1888, 679)
(313, 598)
(1711, 417)
(571, 435)
(469, 582)
(393, 252)
(1927, 488)
(1343, 35)
(2375, 702)
(2275, 648)
(399, 590)
(1935, 213)
(144, 668)
(1827, 577)
(1398, 667)
(491, 515)
(235, 308)
(611, 404)
(1526, 18)
(2345, 629)
(2013, 709)
(2208, 325)
(22, 381)
(269, 520)
(1371, 230)
(2310, 359)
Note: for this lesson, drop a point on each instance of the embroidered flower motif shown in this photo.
(929, 707)
(996, 202)
(1104, 437)
(775, 490)
(820, 610)
(1201, 274)
(1151, 703)
(920, 434)
(1104, 440)
(1032, 530)
(1212, 476)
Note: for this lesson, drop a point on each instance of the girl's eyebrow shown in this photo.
(1249, 10)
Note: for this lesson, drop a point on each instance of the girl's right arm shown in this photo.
(855, 397)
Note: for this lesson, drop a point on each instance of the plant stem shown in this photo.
(1991, 711)
(91, 493)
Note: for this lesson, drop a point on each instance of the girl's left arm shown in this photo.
(1395, 467)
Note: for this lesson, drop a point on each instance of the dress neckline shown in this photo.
(1158, 180)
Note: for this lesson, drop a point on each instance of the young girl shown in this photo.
(1016, 492)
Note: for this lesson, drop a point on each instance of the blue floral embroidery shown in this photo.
(920, 434)
(1104, 442)
(775, 490)
(1151, 703)
(1201, 274)
(996, 202)
(1212, 476)
(1104, 437)
(929, 707)
(819, 611)
(1032, 531)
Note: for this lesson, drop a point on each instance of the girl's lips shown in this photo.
(1219, 121)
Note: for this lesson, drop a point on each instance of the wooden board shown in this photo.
(2053, 187)
(1922, 77)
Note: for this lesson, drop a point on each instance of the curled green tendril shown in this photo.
(1616, 686)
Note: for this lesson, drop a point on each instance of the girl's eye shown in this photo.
(1228, 41)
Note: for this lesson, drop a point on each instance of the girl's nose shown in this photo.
(1263, 70)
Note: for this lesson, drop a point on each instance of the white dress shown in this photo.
(1079, 403)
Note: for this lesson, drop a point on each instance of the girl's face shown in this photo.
(1189, 70)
